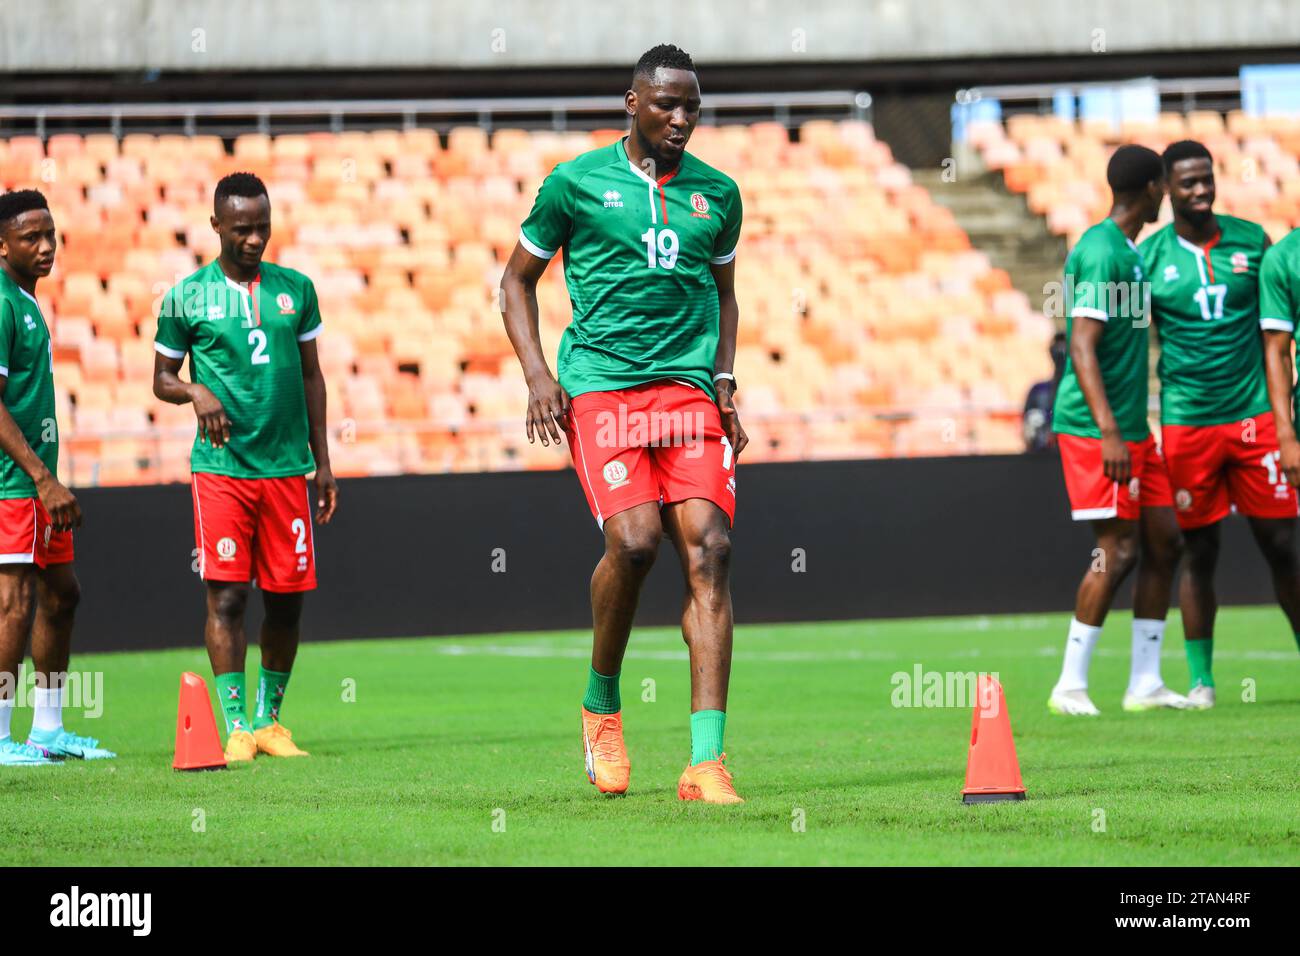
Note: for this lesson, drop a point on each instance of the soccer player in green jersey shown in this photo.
(1279, 317)
(249, 328)
(644, 392)
(38, 586)
(1113, 470)
(1219, 434)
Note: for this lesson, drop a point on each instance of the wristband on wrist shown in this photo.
(725, 375)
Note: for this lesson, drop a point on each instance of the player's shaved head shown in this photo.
(1132, 168)
(664, 56)
(1184, 149)
(244, 185)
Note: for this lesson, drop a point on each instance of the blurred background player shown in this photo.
(1037, 416)
(250, 330)
(649, 236)
(38, 586)
(1113, 470)
(1219, 435)
(1279, 314)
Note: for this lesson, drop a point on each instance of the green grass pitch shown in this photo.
(468, 751)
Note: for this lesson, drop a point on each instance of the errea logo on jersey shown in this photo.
(29, 322)
(1171, 273)
(613, 199)
(285, 302)
(216, 311)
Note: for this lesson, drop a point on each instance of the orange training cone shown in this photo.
(992, 771)
(197, 745)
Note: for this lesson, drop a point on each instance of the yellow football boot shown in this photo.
(608, 766)
(709, 781)
(274, 740)
(240, 747)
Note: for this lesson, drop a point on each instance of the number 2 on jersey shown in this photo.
(257, 339)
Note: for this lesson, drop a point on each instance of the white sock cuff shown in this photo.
(9, 702)
(1086, 631)
(1148, 625)
(48, 696)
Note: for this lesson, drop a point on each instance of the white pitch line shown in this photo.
(551, 652)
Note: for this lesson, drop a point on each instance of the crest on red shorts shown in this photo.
(1134, 489)
(1182, 499)
(615, 474)
(226, 549)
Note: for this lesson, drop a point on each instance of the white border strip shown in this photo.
(723, 260)
(1277, 325)
(308, 336)
(534, 248)
(169, 352)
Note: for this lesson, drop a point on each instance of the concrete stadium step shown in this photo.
(1001, 225)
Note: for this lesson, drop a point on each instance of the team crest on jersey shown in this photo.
(1240, 263)
(1182, 499)
(613, 199)
(285, 302)
(1171, 273)
(30, 322)
(1134, 489)
(615, 474)
(226, 549)
(700, 205)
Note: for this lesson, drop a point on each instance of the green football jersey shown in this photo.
(27, 363)
(243, 345)
(1103, 282)
(636, 260)
(1205, 304)
(1279, 291)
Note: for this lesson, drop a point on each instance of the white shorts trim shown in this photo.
(18, 557)
(534, 248)
(1093, 514)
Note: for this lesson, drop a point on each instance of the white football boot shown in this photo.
(1200, 697)
(1072, 702)
(1155, 699)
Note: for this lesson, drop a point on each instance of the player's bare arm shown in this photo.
(214, 426)
(1279, 368)
(313, 382)
(65, 513)
(1084, 339)
(548, 403)
(728, 322)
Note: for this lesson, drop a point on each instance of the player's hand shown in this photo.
(214, 426)
(548, 408)
(60, 503)
(1115, 463)
(730, 417)
(327, 495)
(1289, 461)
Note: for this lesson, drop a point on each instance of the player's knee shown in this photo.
(283, 611)
(1202, 558)
(637, 550)
(1167, 550)
(1123, 555)
(228, 603)
(1278, 545)
(61, 602)
(15, 599)
(711, 559)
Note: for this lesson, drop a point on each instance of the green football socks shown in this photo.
(270, 694)
(1200, 655)
(602, 694)
(230, 691)
(707, 727)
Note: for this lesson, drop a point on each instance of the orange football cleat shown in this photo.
(275, 740)
(709, 781)
(608, 766)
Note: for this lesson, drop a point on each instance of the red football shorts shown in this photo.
(255, 529)
(661, 441)
(27, 537)
(1217, 468)
(1094, 496)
